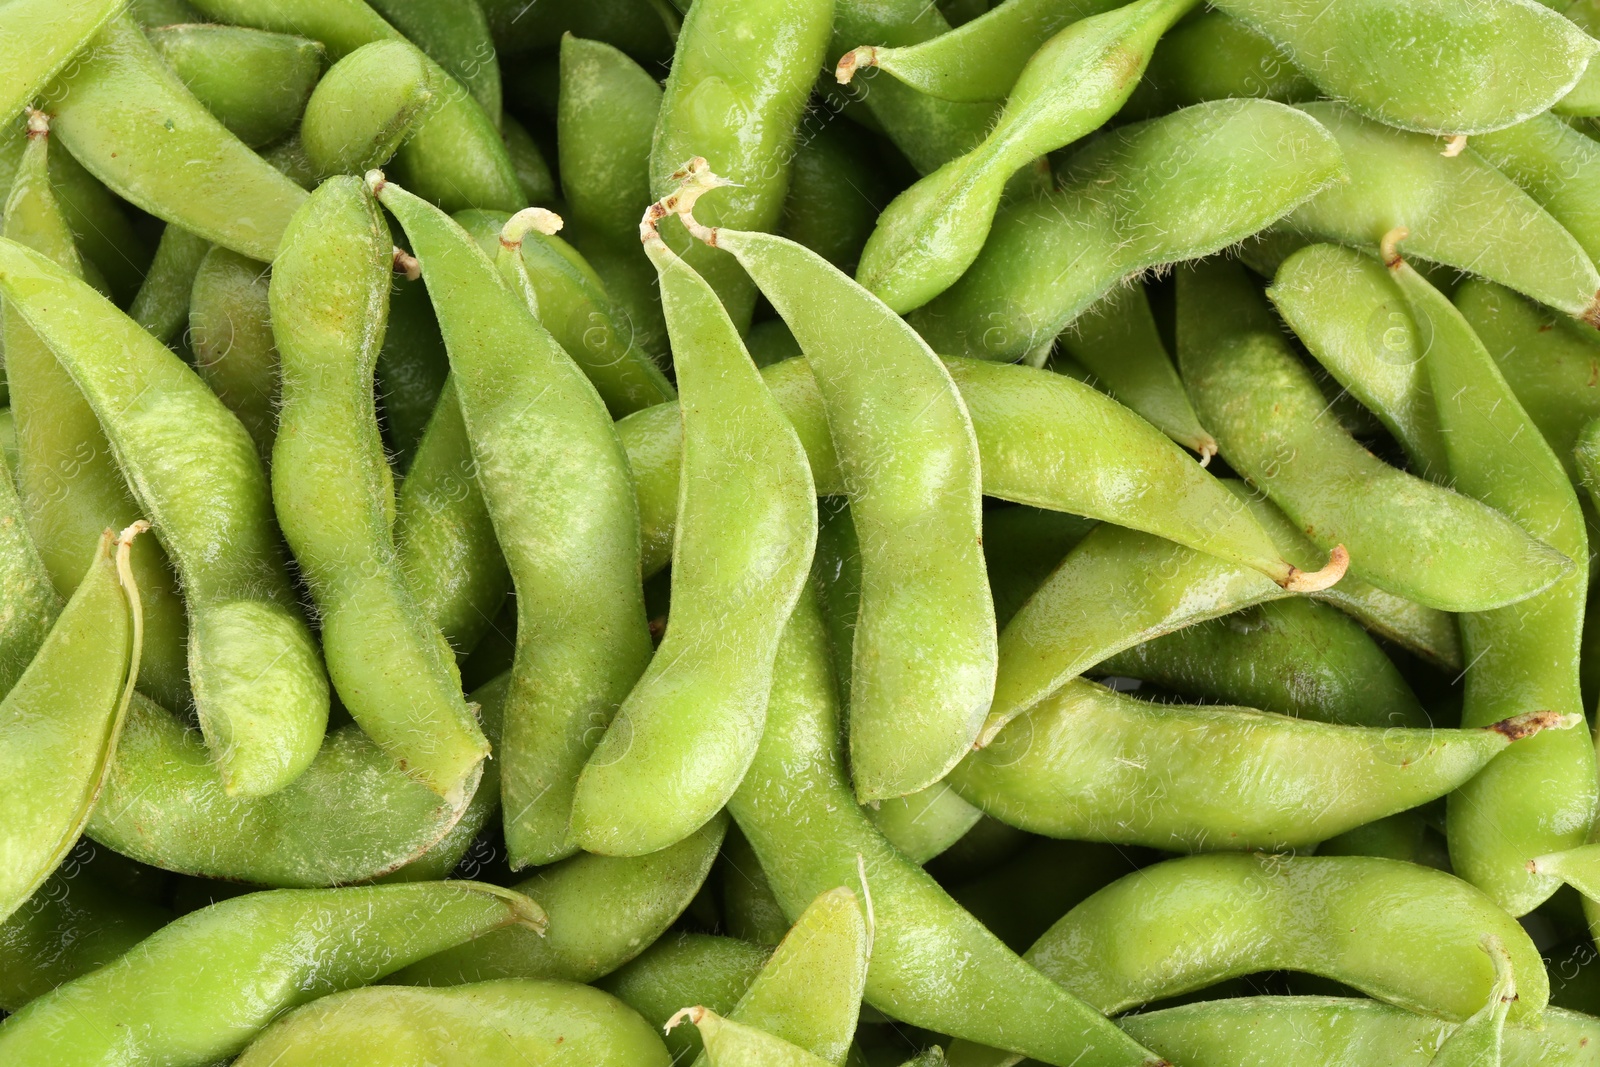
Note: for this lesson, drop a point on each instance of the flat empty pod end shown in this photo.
(1300, 581)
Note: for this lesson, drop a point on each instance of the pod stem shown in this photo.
(528, 219)
(854, 60)
(1206, 446)
(692, 1015)
(694, 179)
(1529, 723)
(407, 264)
(1300, 581)
(38, 124)
(1455, 146)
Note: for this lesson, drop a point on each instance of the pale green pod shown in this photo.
(534, 1023)
(1122, 208)
(257, 675)
(735, 1044)
(925, 823)
(230, 334)
(1209, 56)
(979, 61)
(1090, 764)
(934, 231)
(685, 735)
(1557, 166)
(1461, 212)
(455, 36)
(1478, 1041)
(126, 117)
(162, 303)
(256, 83)
(687, 968)
(365, 107)
(1464, 69)
(31, 602)
(38, 38)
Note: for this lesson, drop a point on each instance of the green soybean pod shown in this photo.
(537, 1022)
(1551, 363)
(162, 303)
(604, 911)
(365, 107)
(230, 333)
(59, 722)
(202, 987)
(1481, 1038)
(40, 38)
(734, 1044)
(412, 367)
(1126, 204)
(932, 964)
(1543, 798)
(1437, 86)
(1406, 536)
(687, 732)
(1184, 924)
(1117, 340)
(31, 600)
(334, 492)
(68, 482)
(1210, 56)
(739, 109)
(560, 496)
(686, 968)
(258, 681)
(455, 36)
(837, 188)
(605, 120)
(925, 824)
(1352, 317)
(125, 116)
(643, 29)
(749, 910)
(1464, 213)
(924, 651)
(1293, 657)
(255, 83)
(567, 296)
(455, 157)
(1090, 764)
(932, 232)
(1555, 164)
(980, 60)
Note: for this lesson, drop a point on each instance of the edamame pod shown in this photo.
(1437, 84)
(924, 654)
(925, 823)
(735, 1044)
(1478, 1041)
(230, 331)
(1463, 213)
(162, 303)
(604, 911)
(1293, 657)
(749, 910)
(412, 367)
(69, 485)
(255, 83)
(1078, 79)
(39, 38)
(365, 107)
(258, 681)
(558, 490)
(695, 968)
(334, 492)
(1409, 537)
(456, 36)
(740, 111)
(932, 964)
(455, 158)
(838, 187)
(1187, 923)
(1340, 1032)
(1124, 207)
(1556, 165)
(31, 602)
(1091, 764)
(1210, 56)
(979, 60)
(202, 987)
(1117, 340)
(124, 115)
(59, 723)
(538, 1023)
(1543, 798)
(533, 173)
(687, 732)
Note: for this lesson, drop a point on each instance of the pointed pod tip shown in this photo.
(1300, 581)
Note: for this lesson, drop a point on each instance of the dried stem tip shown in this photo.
(1531, 722)
(1300, 581)
(376, 181)
(694, 179)
(38, 123)
(693, 1015)
(853, 60)
(1456, 146)
(407, 264)
(1389, 247)
(528, 219)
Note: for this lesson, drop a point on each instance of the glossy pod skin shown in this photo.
(125, 115)
(1436, 86)
(685, 735)
(1123, 208)
(455, 37)
(558, 490)
(334, 493)
(258, 680)
(69, 484)
(1398, 932)
(924, 651)
(202, 987)
(1406, 536)
(1461, 211)
(388, 1026)
(456, 158)
(256, 83)
(40, 37)
(230, 333)
(932, 964)
(1091, 764)
(59, 725)
(1523, 656)
(1340, 1032)
(933, 231)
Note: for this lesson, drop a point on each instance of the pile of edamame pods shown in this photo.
(775, 533)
